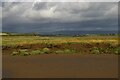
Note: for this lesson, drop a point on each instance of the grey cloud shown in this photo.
(0, 16)
(51, 16)
(43, 5)
(39, 6)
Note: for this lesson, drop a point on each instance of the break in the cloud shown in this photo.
(56, 16)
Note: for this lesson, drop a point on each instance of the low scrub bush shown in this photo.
(95, 50)
(15, 53)
(59, 52)
(36, 52)
(46, 50)
(117, 51)
(65, 51)
(68, 51)
(24, 53)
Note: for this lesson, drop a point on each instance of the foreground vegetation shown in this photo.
(34, 45)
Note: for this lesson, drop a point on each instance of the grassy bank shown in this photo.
(34, 45)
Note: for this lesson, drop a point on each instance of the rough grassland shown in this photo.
(28, 45)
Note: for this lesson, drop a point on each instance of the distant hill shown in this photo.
(66, 32)
(63, 33)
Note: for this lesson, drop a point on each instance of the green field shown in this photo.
(34, 45)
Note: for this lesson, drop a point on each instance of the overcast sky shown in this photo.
(57, 16)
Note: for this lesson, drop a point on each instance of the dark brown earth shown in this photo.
(60, 66)
(84, 48)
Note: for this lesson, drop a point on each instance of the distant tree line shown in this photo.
(78, 35)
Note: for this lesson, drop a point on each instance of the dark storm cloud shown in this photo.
(0, 16)
(48, 17)
(0, 4)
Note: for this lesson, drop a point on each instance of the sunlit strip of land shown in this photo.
(21, 40)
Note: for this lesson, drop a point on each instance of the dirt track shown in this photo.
(60, 66)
